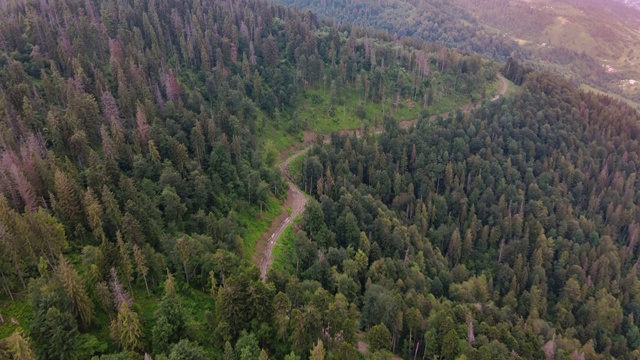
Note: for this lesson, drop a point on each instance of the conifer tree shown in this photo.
(170, 285)
(18, 345)
(318, 352)
(124, 260)
(141, 265)
(72, 284)
(126, 328)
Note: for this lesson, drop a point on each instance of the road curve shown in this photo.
(296, 200)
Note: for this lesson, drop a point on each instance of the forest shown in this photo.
(509, 232)
(570, 38)
(433, 21)
(138, 150)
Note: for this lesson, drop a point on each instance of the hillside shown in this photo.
(138, 142)
(506, 233)
(596, 42)
(631, 3)
(589, 42)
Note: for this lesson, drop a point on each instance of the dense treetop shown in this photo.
(134, 168)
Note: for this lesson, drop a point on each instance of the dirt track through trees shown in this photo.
(296, 201)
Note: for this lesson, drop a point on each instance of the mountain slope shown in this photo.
(137, 144)
(591, 42)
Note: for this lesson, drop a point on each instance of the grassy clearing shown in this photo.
(512, 89)
(350, 113)
(277, 140)
(257, 224)
(314, 110)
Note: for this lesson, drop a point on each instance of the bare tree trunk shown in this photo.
(415, 354)
(186, 271)
(146, 285)
(393, 343)
(5, 284)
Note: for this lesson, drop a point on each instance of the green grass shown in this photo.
(20, 310)
(284, 250)
(277, 140)
(314, 110)
(314, 115)
(257, 224)
(512, 89)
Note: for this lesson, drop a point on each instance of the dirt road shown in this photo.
(296, 200)
(503, 88)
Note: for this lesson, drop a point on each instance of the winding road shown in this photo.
(296, 200)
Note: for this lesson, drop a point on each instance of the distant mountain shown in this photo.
(593, 42)
(631, 3)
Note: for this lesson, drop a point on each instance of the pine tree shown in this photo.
(318, 352)
(263, 355)
(111, 207)
(72, 284)
(125, 262)
(450, 345)
(186, 350)
(66, 200)
(170, 285)
(141, 265)
(94, 214)
(126, 329)
(455, 248)
(18, 345)
(379, 338)
(183, 253)
(281, 307)
(229, 353)
(56, 335)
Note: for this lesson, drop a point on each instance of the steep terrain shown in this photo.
(139, 170)
(296, 200)
(591, 42)
(138, 144)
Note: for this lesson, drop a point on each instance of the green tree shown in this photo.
(379, 338)
(229, 353)
(18, 345)
(126, 328)
(292, 356)
(169, 325)
(56, 335)
(247, 347)
(347, 351)
(72, 284)
(66, 201)
(186, 350)
(281, 307)
(182, 246)
(170, 285)
(263, 355)
(141, 265)
(318, 352)
(450, 345)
